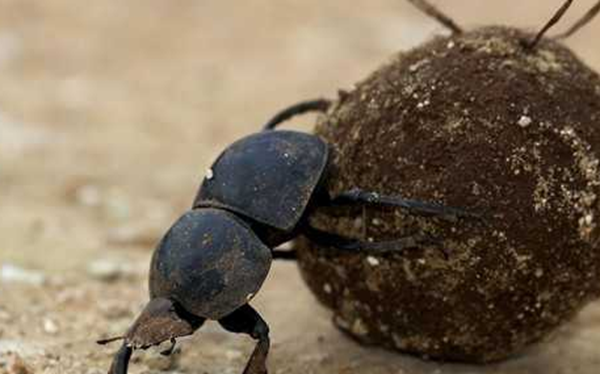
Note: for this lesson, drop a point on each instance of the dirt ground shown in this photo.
(110, 113)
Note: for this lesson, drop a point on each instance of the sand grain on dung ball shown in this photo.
(473, 121)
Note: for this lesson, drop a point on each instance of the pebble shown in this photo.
(50, 327)
(10, 273)
(525, 121)
(372, 261)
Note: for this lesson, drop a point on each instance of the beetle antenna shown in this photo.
(553, 21)
(318, 105)
(433, 12)
(589, 16)
(109, 340)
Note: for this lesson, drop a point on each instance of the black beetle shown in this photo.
(258, 194)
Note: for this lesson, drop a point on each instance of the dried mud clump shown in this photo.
(474, 120)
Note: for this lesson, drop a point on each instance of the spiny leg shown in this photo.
(589, 16)
(358, 196)
(318, 105)
(343, 243)
(246, 320)
(530, 45)
(433, 12)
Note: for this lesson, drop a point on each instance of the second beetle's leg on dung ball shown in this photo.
(246, 320)
(430, 10)
(587, 17)
(530, 45)
(358, 196)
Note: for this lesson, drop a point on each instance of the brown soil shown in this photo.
(110, 113)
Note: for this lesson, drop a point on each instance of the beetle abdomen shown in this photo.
(210, 262)
(268, 177)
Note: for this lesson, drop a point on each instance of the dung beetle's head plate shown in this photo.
(210, 262)
(268, 177)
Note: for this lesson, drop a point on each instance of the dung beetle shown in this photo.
(258, 194)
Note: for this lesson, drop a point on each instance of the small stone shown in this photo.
(209, 174)
(50, 327)
(10, 273)
(525, 121)
(539, 273)
(372, 261)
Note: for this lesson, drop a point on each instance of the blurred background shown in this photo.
(110, 113)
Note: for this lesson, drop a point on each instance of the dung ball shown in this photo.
(479, 122)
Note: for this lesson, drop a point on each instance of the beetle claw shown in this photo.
(169, 351)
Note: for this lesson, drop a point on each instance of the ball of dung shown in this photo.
(479, 122)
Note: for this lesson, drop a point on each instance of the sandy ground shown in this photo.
(111, 111)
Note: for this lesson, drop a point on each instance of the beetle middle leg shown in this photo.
(358, 196)
(246, 320)
(373, 248)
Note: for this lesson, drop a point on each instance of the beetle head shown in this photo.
(161, 320)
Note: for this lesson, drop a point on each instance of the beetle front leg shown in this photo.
(246, 320)
(416, 207)
(121, 360)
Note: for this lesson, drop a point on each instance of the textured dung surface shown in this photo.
(477, 122)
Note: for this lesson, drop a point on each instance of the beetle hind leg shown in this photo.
(357, 196)
(246, 320)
